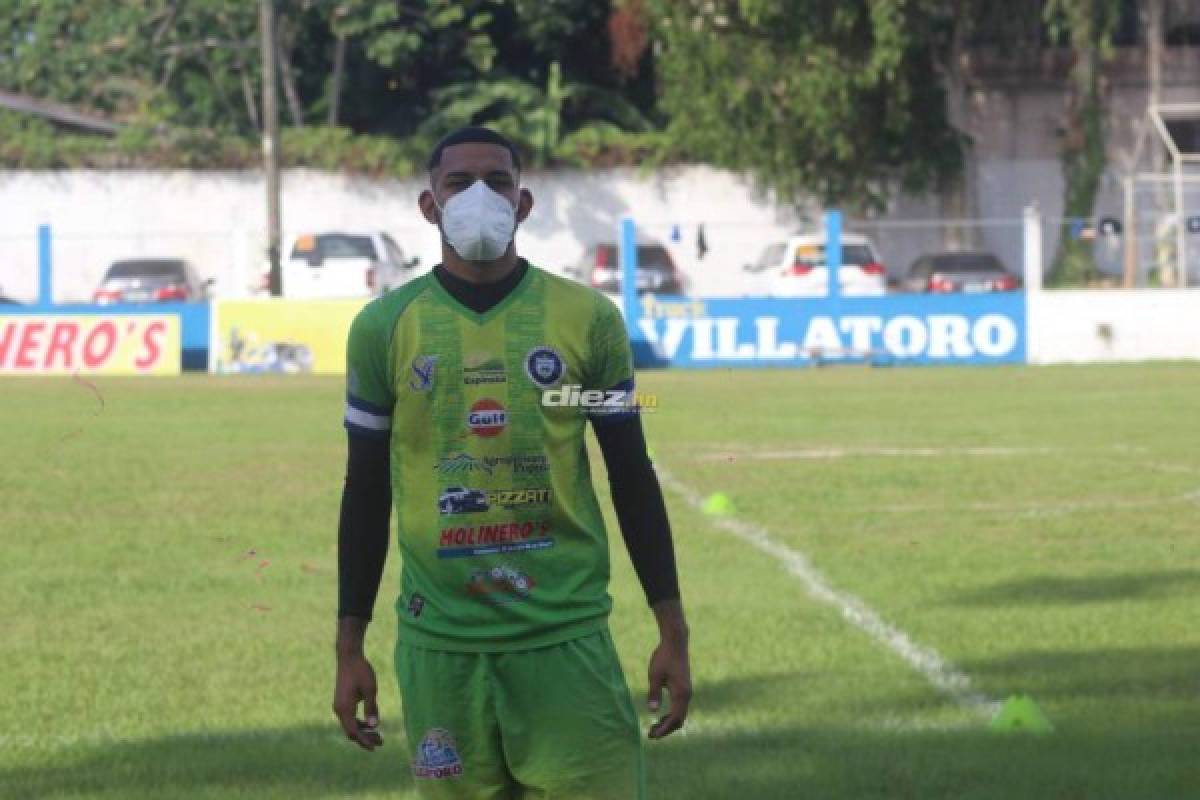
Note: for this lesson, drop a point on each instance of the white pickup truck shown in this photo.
(339, 264)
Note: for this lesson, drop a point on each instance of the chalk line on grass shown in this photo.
(943, 675)
(1037, 510)
(830, 453)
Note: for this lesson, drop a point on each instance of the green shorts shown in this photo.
(555, 722)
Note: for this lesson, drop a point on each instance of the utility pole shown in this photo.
(270, 141)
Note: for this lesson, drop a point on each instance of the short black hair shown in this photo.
(469, 134)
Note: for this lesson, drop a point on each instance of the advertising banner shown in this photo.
(282, 336)
(894, 329)
(93, 344)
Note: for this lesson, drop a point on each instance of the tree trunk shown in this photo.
(282, 48)
(1084, 154)
(957, 199)
(248, 95)
(339, 70)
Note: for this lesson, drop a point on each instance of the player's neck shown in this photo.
(480, 272)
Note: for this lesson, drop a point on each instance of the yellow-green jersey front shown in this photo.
(502, 539)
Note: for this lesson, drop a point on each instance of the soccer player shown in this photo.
(461, 410)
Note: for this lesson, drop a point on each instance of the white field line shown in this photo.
(830, 453)
(943, 675)
(1037, 510)
(733, 452)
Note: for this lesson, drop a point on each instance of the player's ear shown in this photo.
(524, 205)
(428, 206)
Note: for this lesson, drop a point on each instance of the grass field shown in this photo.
(169, 575)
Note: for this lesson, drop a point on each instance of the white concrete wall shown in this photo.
(1070, 326)
(216, 219)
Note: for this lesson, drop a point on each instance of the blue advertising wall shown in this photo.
(895, 329)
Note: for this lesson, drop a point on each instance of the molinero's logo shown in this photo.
(487, 417)
(437, 756)
(489, 540)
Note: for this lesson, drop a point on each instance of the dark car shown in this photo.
(656, 270)
(151, 280)
(460, 500)
(960, 272)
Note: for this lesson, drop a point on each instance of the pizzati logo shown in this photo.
(487, 417)
(437, 756)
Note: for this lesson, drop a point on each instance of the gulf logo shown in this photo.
(487, 417)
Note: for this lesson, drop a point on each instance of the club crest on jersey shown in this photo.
(437, 756)
(487, 417)
(544, 366)
(422, 373)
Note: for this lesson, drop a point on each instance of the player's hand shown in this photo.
(356, 683)
(669, 669)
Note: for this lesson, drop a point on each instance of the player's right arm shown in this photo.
(363, 524)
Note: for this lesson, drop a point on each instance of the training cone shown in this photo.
(1020, 713)
(718, 504)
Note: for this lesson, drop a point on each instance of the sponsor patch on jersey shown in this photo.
(544, 366)
(499, 585)
(482, 368)
(422, 373)
(465, 500)
(488, 540)
(487, 417)
(465, 463)
(437, 756)
(462, 463)
(416, 604)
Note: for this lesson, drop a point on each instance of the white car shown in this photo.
(338, 264)
(796, 267)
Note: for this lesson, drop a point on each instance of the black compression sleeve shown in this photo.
(364, 525)
(638, 501)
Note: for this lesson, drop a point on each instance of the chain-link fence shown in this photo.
(230, 263)
(710, 257)
(737, 259)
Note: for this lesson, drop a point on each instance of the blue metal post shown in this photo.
(833, 251)
(45, 268)
(627, 259)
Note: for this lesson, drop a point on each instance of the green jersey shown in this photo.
(502, 539)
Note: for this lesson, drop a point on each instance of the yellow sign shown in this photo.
(90, 344)
(282, 336)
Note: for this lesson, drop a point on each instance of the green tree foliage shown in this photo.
(833, 97)
(540, 70)
(842, 99)
(135, 59)
(534, 116)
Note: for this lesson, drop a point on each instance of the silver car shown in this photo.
(960, 272)
(151, 280)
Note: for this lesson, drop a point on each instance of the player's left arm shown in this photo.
(641, 514)
(642, 517)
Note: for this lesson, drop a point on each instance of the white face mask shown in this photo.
(478, 223)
